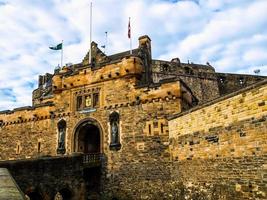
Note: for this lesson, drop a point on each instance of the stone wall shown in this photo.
(205, 83)
(144, 153)
(47, 176)
(201, 79)
(235, 178)
(143, 160)
(223, 145)
(21, 140)
(229, 83)
(151, 161)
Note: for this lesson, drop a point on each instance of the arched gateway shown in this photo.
(88, 140)
(88, 137)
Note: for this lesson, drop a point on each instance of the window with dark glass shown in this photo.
(79, 102)
(95, 100)
(39, 147)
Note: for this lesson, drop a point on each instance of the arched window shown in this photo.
(61, 136)
(114, 120)
(241, 81)
(188, 71)
(165, 68)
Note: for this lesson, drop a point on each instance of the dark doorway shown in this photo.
(92, 179)
(34, 195)
(88, 138)
(65, 193)
(88, 141)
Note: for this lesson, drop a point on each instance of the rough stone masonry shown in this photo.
(127, 126)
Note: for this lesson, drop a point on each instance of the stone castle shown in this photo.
(126, 126)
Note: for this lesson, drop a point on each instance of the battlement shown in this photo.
(178, 127)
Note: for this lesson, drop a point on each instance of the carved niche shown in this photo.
(61, 136)
(114, 121)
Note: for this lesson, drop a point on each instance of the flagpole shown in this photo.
(130, 35)
(62, 55)
(106, 45)
(90, 51)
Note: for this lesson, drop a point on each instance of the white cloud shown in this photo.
(232, 35)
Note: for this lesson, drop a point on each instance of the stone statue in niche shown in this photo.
(61, 142)
(114, 132)
(61, 137)
(114, 120)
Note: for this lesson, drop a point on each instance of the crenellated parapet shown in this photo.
(126, 114)
(127, 67)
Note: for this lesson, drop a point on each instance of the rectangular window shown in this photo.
(95, 100)
(161, 128)
(79, 102)
(39, 147)
(18, 149)
(87, 99)
(149, 129)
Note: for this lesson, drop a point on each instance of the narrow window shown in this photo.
(188, 70)
(149, 129)
(79, 102)
(161, 128)
(39, 147)
(18, 149)
(241, 81)
(95, 100)
(88, 101)
(165, 68)
(222, 79)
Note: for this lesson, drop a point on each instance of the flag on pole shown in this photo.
(129, 29)
(129, 35)
(57, 47)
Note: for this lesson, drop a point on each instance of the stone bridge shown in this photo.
(8, 187)
(69, 177)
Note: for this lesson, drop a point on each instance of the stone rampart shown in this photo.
(222, 144)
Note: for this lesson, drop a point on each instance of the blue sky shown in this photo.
(230, 34)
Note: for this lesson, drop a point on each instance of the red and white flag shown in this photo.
(129, 35)
(129, 29)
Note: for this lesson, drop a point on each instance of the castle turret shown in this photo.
(146, 55)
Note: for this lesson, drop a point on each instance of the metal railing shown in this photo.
(92, 159)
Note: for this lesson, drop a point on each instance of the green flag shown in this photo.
(57, 47)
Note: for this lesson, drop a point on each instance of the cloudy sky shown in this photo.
(230, 34)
